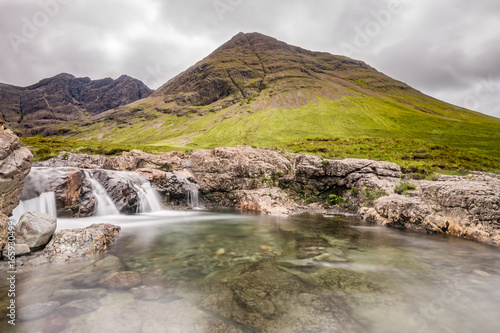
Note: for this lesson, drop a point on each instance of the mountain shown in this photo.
(64, 98)
(259, 91)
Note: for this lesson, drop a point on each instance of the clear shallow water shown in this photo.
(242, 273)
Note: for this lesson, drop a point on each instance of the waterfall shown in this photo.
(45, 203)
(193, 198)
(105, 205)
(148, 198)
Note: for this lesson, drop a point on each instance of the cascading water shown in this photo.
(45, 203)
(148, 198)
(193, 198)
(105, 205)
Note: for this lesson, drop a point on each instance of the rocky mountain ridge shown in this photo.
(39, 108)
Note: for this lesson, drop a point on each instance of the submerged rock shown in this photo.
(79, 307)
(37, 311)
(121, 280)
(35, 229)
(152, 293)
(68, 295)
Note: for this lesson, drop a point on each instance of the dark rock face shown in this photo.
(62, 98)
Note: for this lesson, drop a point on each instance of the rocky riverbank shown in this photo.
(277, 183)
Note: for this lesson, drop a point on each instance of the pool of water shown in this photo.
(224, 272)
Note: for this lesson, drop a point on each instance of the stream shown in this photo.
(226, 272)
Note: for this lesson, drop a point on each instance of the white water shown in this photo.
(149, 200)
(193, 198)
(105, 205)
(45, 203)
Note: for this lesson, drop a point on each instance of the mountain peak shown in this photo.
(253, 66)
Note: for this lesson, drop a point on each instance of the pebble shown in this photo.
(481, 273)
(220, 252)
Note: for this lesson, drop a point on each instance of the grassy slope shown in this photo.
(425, 135)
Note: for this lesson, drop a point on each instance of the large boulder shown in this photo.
(35, 229)
(75, 243)
(316, 175)
(136, 159)
(226, 169)
(15, 164)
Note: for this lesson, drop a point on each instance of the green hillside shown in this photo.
(258, 91)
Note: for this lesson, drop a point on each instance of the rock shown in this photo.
(66, 159)
(316, 175)
(70, 99)
(37, 311)
(121, 280)
(227, 169)
(174, 186)
(467, 207)
(15, 164)
(55, 324)
(18, 249)
(153, 293)
(35, 229)
(122, 188)
(108, 264)
(75, 243)
(79, 307)
(68, 295)
(220, 252)
(136, 159)
(66, 183)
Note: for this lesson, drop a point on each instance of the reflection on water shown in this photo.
(210, 272)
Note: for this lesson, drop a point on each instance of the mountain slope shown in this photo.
(64, 98)
(259, 91)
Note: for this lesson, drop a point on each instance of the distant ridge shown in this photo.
(36, 109)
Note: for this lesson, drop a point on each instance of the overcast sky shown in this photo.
(449, 49)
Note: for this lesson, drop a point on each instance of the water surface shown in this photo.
(243, 273)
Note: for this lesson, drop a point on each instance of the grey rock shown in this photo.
(121, 280)
(37, 311)
(35, 229)
(18, 249)
(136, 159)
(15, 164)
(467, 207)
(66, 159)
(75, 243)
(152, 293)
(68, 295)
(79, 307)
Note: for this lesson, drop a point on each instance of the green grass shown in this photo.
(421, 134)
(404, 188)
(45, 148)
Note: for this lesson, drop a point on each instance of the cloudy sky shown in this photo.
(449, 49)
